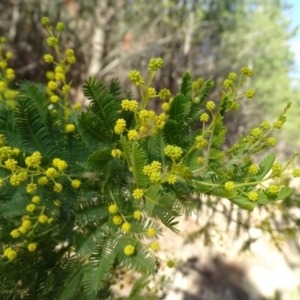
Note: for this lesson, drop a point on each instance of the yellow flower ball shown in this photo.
(76, 183)
(31, 247)
(70, 128)
(129, 250)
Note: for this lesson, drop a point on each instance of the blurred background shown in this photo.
(208, 38)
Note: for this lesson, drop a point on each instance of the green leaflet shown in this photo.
(102, 103)
(92, 131)
(220, 192)
(29, 90)
(72, 284)
(101, 262)
(89, 236)
(152, 195)
(32, 130)
(138, 161)
(177, 109)
(284, 192)
(16, 206)
(99, 160)
(265, 166)
(172, 133)
(186, 85)
(244, 203)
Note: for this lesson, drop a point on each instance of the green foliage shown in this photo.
(85, 195)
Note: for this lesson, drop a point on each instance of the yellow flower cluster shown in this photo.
(145, 116)
(227, 84)
(265, 125)
(30, 207)
(164, 94)
(277, 169)
(6, 76)
(170, 264)
(159, 121)
(57, 187)
(174, 152)
(151, 232)
(273, 189)
(138, 194)
(75, 183)
(26, 224)
(229, 186)
(151, 92)
(204, 117)
(31, 188)
(165, 106)
(51, 172)
(126, 227)
(155, 177)
(137, 215)
(210, 105)
(250, 94)
(70, 56)
(129, 105)
(43, 219)
(57, 79)
(247, 71)
(10, 253)
(154, 246)
(201, 142)
(272, 141)
(59, 164)
(36, 199)
(253, 196)
(253, 170)
(132, 135)
(296, 172)
(256, 132)
(32, 247)
(52, 41)
(34, 160)
(48, 58)
(70, 128)
(113, 209)
(136, 77)
(129, 250)
(155, 166)
(116, 153)
(117, 220)
(232, 76)
(120, 126)
(172, 179)
(155, 64)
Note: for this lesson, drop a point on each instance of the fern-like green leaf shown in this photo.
(172, 133)
(103, 104)
(138, 161)
(98, 270)
(7, 127)
(72, 284)
(186, 85)
(99, 160)
(265, 166)
(31, 129)
(91, 130)
(177, 109)
(88, 237)
(244, 203)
